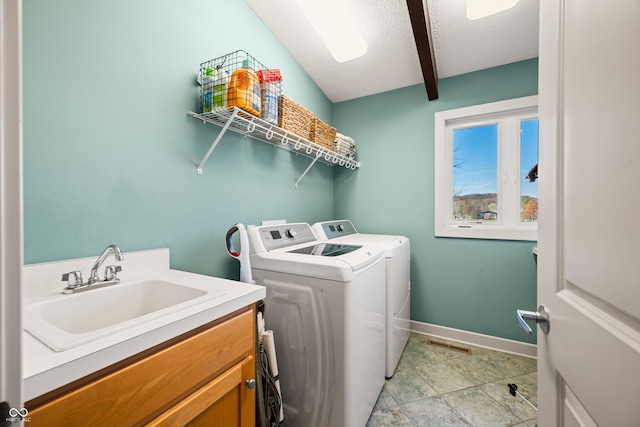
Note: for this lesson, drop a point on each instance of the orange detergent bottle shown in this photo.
(244, 91)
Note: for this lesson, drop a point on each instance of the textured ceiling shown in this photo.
(391, 61)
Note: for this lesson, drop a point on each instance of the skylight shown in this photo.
(336, 26)
(478, 9)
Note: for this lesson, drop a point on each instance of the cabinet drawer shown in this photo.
(226, 401)
(142, 390)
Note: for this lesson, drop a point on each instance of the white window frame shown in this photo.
(509, 226)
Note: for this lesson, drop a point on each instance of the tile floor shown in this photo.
(435, 387)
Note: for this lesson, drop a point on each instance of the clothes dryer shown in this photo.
(397, 281)
(325, 305)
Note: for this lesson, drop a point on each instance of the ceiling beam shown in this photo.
(419, 15)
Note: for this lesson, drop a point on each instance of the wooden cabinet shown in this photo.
(198, 379)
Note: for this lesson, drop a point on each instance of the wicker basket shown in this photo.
(293, 117)
(322, 134)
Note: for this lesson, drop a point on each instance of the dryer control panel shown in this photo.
(333, 229)
(283, 235)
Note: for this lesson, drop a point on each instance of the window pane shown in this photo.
(475, 174)
(528, 159)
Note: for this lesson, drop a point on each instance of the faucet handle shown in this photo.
(73, 278)
(111, 272)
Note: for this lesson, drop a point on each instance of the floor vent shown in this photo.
(449, 346)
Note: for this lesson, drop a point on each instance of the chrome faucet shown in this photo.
(94, 270)
(74, 278)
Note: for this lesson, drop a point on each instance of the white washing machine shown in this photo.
(398, 282)
(325, 305)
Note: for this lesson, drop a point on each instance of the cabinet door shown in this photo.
(225, 401)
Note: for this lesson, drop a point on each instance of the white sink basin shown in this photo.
(66, 321)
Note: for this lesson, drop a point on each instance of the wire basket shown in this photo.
(237, 79)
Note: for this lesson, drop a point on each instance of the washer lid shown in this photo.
(340, 262)
(326, 249)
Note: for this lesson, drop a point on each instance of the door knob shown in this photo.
(251, 383)
(541, 317)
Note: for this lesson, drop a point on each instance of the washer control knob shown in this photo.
(291, 233)
(340, 227)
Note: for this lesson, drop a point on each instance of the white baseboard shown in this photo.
(479, 340)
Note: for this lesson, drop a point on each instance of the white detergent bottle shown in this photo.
(219, 90)
(206, 81)
(269, 92)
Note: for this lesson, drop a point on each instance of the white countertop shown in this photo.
(45, 370)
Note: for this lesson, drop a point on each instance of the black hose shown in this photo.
(272, 401)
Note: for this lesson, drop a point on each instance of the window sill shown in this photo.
(526, 233)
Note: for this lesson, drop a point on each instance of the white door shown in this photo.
(10, 209)
(589, 231)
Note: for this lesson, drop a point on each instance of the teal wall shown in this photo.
(468, 284)
(110, 153)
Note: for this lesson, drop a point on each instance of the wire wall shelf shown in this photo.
(241, 122)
